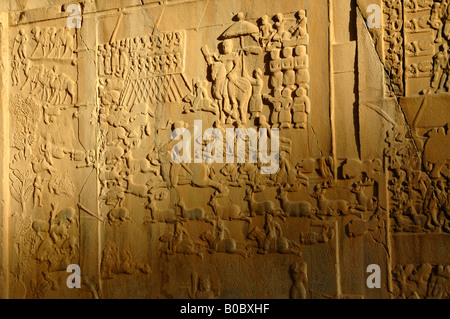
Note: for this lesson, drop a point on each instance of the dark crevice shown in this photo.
(353, 24)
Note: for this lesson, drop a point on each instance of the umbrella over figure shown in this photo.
(241, 29)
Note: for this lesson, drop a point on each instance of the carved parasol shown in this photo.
(240, 29)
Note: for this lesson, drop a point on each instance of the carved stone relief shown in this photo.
(90, 121)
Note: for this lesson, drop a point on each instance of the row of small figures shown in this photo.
(162, 43)
(141, 66)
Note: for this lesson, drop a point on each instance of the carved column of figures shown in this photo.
(393, 44)
(427, 40)
(50, 166)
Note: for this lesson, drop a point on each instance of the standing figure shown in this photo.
(101, 60)
(52, 43)
(301, 66)
(69, 43)
(301, 108)
(447, 23)
(436, 22)
(15, 66)
(276, 75)
(38, 38)
(19, 45)
(230, 89)
(37, 195)
(441, 69)
(287, 65)
(285, 113)
(255, 104)
(114, 60)
(59, 43)
(300, 277)
(46, 41)
(264, 125)
(108, 69)
(124, 61)
(276, 107)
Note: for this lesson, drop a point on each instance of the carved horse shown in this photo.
(234, 92)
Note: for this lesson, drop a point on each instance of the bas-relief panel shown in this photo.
(161, 229)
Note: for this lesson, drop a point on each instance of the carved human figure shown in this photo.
(46, 41)
(134, 68)
(256, 103)
(42, 86)
(436, 22)
(37, 194)
(177, 40)
(231, 89)
(276, 75)
(39, 39)
(123, 62)
(108, 69)
(301, 66)
(266, 31)
(30, 76)
(286, 175)
(68, 43)
(19, 45)
(15, 67)
(201, 287)
(439, 282)
(281, 33)
(285, 117)
(199, 100)
(178, 62)
(221, 232)
(101, 60)
(150, 44)
(441, 70)
(204, 289)
(276, 101)
(287, 65)
(162, 64)
(179, 234)
(142, 67)
(300, 28)
(168, 63)
(273, 232)
(300, 277)
(136, 44)
(60, 42)
(447, 23)
(53, 42)
(301, 108)
(169, 45)
(160, 39)
(157, 65)
(114, 59)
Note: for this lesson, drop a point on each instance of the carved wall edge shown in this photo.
(4, 155)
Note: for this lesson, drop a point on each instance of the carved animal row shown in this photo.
(49, 85)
